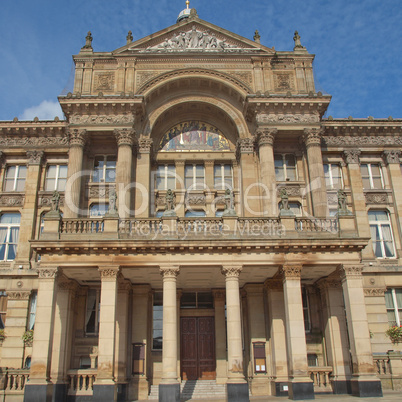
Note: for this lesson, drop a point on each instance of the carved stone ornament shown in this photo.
(171, 271)
(109, 273)
(48, 273)
(374, 292)
(291, 271)
(195, 200)
(376, 198)
(352, 156)
(18, 294)
(266, 137)
(357, 141)
(100, 192)
(232, 271)
(287, 118)
(332, 198)
(312, 137)
(104, 81)
(274, 284)
(35, 157)
(102, 119)
(124, 136)
(45, 200)
(145, 145)
(283, 82)
(33, 142)
(245, 146)
(291, 190)
(350, 271)
(246, 77)
(392, 156)
(15, 200)
(77, 137)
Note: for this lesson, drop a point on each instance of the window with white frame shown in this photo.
(3, 308)
(381, 234)
(32, 310)
(393, 302)
(165, 178)
(306, 310)
(104, 169)
(333, 175)
(194, 177)
(98, 210)
(223, 176)
(157, 321)
(9, 231)
(56, 178)
(371, 176)
(92, 312)
(15, 178)
(285, 167)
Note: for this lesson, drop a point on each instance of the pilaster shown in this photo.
(142, 178)
(220, 336)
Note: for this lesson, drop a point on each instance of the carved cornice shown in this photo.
(102, 119)
(291, 271)
(287, 118)
(312, 137)
(392, 156)
(77, 137)
(124, 136)
(232, 271)
(18, 294)
(15, 200)
(374, 292)
(109, 274)
(25, 141)
(48, 273)
(352, 156)
(266, 136)
(145, 145)
(35, 157)
(169, 271)
(361, 140)
(350, 271)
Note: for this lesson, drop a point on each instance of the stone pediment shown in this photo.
(194, 36)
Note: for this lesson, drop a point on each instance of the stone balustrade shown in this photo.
(317, 225)
(320, 377)
(81, 381)
(14, 380)
(77, 226)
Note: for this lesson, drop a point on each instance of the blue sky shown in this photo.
(358, 45)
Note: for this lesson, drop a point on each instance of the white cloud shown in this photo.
(47, 110)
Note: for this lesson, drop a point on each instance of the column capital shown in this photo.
(124, 136)
(48, 273)
(392, 156)
(179, 163)
(35, 157)
(169, 271)
(245, 146)
(145, 145)
(219, 294)
(312, 136)
(266, 136)
(352, 156)
(291, 271)
(18, 294)
(109, 273)
(347, 271)
(77, 137)
(231, 271)
(209, 163)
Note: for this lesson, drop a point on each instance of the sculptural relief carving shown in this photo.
(266, 137)
(124, 136)
(18, 294)
(347, 140)
(195, 200)
(392, 156)
(245, 77)
(35, 157)
(312, 137)
(283, 82)
(100, 191)
(281, 118)
(245, 146)
(232, 271)
(33, 142)
(109, 273)
(292, 191)
(376, 198)
(104, 82)
(171, 271)
(374, 292)
(143, 77)
(77, 137)
(291, 271)
(15, 200)
(350, 271)
(352, 156)
(48, 273)
(145, 145)
(46, 200)
(102, 119)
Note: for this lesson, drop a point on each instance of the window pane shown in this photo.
(51, 172)
(398, 293)
(10, 218)
(63, 171)
(22, 172)
(389, 301)
(375, 170)
(20, 185)
(171, 183)
(377, 183)
(50, 184)
(366, 182)
(364, 170)
(11, 170)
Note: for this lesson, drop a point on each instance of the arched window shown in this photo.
(9, 231)
(381, 234)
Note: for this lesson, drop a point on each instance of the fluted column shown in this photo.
(237, 385)
(364, 379)
(142, 177)
(317, 186)
(39, 388)
(220, 336)
(124, 170)
(75, 162)
(300, 384)
(266, 139)
(169, 388)
(105, 387)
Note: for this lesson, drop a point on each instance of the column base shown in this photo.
(364, 389)
(237, 392)
(169, 392)
(341, 387)
(38, 392)
(280, 388)
(104, 392)
(301, 390)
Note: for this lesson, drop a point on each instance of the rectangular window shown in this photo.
(56, 178)
(259, 357)
(9, 231)
(15, 178)
(157, 321)
(371, 176)
(92, 312)
(381, 234)
(223, 177)
(197, 300)
(3, 308)
(194, 177)
(32, 310)
(306, 310)
(165, 178)
(333, 175)
(104, 169)
(285, 167)
(393, 302)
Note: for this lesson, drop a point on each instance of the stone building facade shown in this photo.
(195, 217)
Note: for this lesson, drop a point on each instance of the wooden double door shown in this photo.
(198, 361)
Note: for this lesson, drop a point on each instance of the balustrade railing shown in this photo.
(76, 226)
(140, 227)
(320, 376)
(382, 364)
(81, 381)
(15, 380)
(258, 226)
(316, 225)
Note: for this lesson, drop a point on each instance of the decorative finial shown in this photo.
(298, 44)
(188, 4)
(129, 37)
(257, 36)
(88, 41)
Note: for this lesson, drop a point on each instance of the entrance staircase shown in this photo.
(195, 389)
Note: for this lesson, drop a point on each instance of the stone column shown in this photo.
(75, 162)
(317, 186)
(28, 215)
(39, 387)
(209, 183)
(12, 352)
(105, 387)
(62, 336)
(237, 387)
(180, 188)
(336, 335)
(169, 388)
(124, 170)
(142, 178)
(364, 380)
(300, 384)
(220, 336)
(267, 169)
(276, 311)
